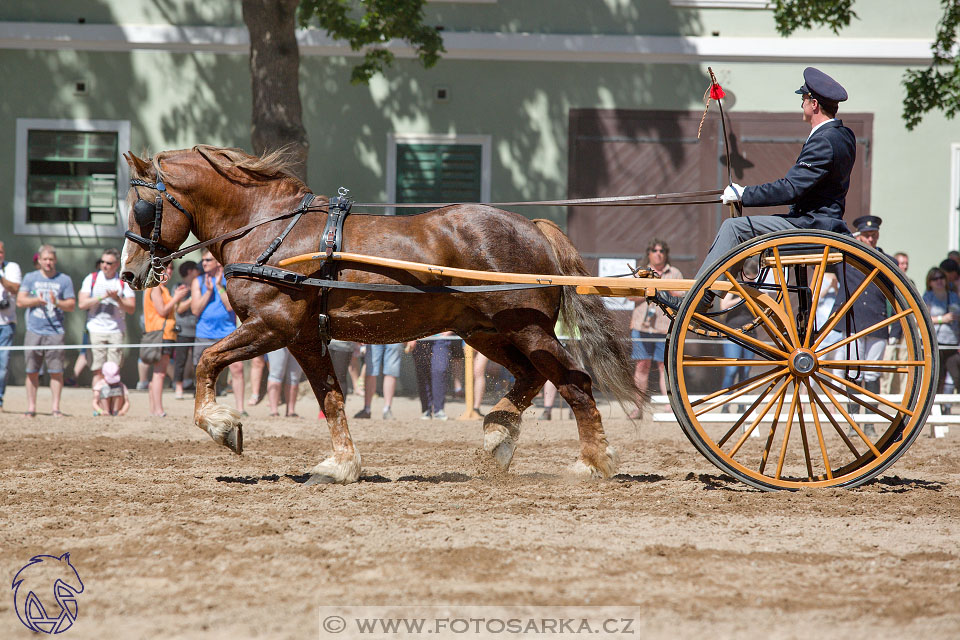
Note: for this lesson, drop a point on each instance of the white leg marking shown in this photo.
(223, 424)
(606, 468)
(500, 446)
(334, 471)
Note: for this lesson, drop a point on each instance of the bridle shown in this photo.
(145, 215)
(160, 254)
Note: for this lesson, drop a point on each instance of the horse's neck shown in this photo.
(234, 206)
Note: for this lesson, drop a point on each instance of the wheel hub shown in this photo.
(803, 362)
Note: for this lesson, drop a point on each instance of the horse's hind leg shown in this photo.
(344, 465)
(597, 458)
(501, 425)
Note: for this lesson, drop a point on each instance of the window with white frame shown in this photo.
(70, 177)
(437, 168)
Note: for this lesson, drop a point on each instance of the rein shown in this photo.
(645, 200)
(145, 215)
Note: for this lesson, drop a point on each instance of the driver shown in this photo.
(815, 187)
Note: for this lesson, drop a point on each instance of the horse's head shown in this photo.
(157, 224)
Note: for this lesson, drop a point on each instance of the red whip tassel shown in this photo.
(716, 91)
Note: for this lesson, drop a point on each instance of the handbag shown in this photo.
(152, 355)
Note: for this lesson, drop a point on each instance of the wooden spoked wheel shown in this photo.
(803, 409)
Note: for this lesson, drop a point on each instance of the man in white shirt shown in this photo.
(107, 300)
(10, 277)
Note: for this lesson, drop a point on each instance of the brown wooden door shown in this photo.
(615, 152)
(624, 152)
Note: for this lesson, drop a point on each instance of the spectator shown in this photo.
(341, 351)
(649, 325)
(951, 269)
(257, 365)
(10, 277)
(868, 309)
(47, 294)
(431, 359)
(106, 299)
(385, 359)
(480, 363)
(903, 260)
(285, 374)
(896, 349)
(356, 369)
(158, 310)
(944, 307)
(110, 395)
(215, 318)
(736, 318)
(186, 328)
(954, 255)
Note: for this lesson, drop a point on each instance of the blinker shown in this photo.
(143, 213)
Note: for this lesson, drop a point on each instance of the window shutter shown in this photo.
(438, 173)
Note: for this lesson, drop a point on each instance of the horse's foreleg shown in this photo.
(597, 458)
(344, 465)
(501, 425)
(220, 422)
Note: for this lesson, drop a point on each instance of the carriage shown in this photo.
(802, 417)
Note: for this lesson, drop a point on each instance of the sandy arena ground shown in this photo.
(175, 536)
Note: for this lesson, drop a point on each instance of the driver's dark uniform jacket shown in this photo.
(816, 186)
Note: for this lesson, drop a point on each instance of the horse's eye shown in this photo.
(143, 213)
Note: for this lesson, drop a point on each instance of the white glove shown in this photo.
(732, 193)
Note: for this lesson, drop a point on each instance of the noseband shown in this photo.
(145, 215)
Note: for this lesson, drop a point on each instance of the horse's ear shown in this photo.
(139, 166)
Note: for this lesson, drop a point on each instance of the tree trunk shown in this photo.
(275, 78)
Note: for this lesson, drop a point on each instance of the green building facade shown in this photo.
(87, 80)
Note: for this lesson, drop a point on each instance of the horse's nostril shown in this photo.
(127, 276)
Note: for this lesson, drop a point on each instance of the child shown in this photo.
(110, 395)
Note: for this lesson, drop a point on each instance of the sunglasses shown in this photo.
(935, 278)
(657, 251)
(112, 262)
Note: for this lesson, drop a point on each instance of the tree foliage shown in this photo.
(936, 88)
(367, 25)
(791, 15)
(275, 60)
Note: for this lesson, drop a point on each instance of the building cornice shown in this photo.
(482, 45)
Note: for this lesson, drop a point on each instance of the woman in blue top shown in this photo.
(944, 308)
(215, 317)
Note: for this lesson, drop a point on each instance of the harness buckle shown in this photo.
(323, 321)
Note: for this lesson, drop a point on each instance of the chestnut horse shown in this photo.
(221, 190)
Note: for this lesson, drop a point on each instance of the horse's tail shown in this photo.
(599, 345)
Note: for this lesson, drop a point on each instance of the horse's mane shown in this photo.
(278, 163)
(272, 165)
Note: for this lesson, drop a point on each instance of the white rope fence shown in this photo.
(134, 345)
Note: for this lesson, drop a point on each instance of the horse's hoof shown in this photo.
(233, 440)
(223, 425)
(316, 478)
(501, 448)
(604, 467)
(332, 471)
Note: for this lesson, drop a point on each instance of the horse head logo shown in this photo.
(32, 587)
